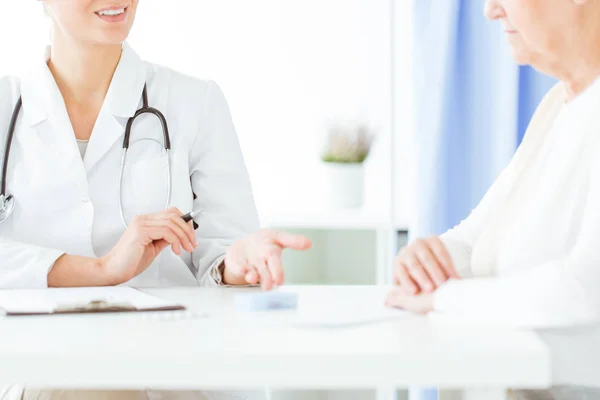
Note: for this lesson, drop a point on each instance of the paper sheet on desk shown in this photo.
(339, 319)
(344, 307)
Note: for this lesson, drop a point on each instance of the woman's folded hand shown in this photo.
(422, 266)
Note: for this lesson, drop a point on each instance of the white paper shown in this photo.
(47, 300)
(341, 307)
(344, 318)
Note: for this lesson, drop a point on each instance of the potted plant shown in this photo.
(346, 148)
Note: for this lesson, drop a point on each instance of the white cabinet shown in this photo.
(349, 247)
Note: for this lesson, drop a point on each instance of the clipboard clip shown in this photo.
(94, 306)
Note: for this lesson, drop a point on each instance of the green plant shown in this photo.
(347, 143)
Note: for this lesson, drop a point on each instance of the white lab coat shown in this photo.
(68, 205)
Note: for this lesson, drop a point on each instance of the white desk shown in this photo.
(242, 351)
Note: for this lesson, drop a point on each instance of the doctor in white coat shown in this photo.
(64, 165)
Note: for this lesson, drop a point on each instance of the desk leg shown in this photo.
(485, 394)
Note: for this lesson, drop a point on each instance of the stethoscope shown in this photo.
(7, 201)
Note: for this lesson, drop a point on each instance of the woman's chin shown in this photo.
(521, 57)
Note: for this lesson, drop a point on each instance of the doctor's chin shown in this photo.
(326, 200)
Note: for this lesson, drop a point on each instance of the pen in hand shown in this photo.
(191, 215)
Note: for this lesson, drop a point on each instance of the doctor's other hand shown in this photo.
(257, 258)
(423, 265)
(143, 240)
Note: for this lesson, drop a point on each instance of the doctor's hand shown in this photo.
(257, 258)
(423, 265)
(143, 240)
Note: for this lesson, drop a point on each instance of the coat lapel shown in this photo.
(123, 98)
(45, 113)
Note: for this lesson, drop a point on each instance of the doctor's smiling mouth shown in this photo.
(113, 13)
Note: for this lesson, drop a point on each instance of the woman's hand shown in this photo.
(257, 258)
(143, 240)
(423, 265)
(420, 303)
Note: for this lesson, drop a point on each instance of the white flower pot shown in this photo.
(344, 185)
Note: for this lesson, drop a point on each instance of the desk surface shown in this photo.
(221, 348)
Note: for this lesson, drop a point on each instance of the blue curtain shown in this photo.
(473, 104)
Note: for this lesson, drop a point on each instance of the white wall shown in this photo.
(286, 67)
(24, 31)
(403, 114)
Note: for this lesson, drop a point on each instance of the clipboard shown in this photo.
(54, 301)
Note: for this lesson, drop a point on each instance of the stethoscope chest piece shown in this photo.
(7, 205)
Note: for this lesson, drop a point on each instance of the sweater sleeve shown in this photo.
(461, 239)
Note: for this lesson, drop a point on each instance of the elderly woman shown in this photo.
(528, 254)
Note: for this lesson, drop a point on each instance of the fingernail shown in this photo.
(428, 287)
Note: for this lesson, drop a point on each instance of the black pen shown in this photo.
(191, 215)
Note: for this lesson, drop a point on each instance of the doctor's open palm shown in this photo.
(257, 258)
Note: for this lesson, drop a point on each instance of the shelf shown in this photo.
(327, 219)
